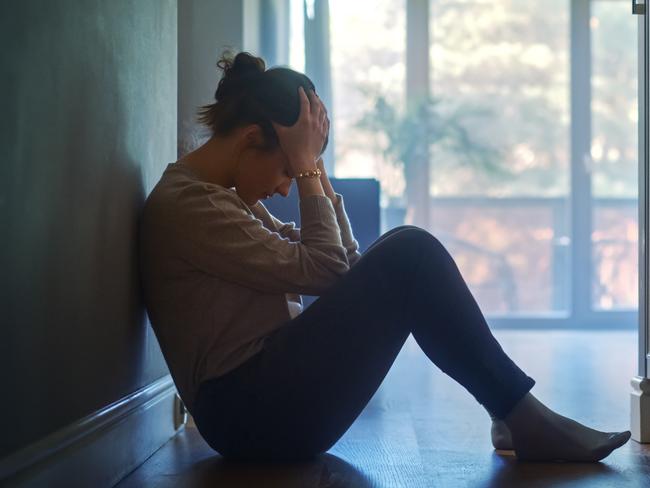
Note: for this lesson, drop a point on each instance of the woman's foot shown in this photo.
(501, 438)
(540, 434)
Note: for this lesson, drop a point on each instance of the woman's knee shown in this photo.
(402, 250)
(400, 228)
(407, 236)
(407, 250)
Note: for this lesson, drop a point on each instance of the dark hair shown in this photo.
(248, 93)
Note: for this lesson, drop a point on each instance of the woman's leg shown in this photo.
(499, 432)
(392, 232)
(315, 375)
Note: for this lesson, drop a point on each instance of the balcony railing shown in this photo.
(515, 252)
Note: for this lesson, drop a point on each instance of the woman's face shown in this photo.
(262, 173)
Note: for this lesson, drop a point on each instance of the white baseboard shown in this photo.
(102, 448)
(640, 409)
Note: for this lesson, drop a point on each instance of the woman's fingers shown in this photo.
(304, 102)
(304, 110)
(317, 108)
(322, 104)
(321, 111)
(313, 102)
(305, 139)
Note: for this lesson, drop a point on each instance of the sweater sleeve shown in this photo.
(218, 235)
(290, 231)
(347, 238)
(287, 229)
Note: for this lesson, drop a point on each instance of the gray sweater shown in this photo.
(218, 276)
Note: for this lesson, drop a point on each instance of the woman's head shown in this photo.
(250, 94)
(247, 100)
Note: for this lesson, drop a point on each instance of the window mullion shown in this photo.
(580, 196)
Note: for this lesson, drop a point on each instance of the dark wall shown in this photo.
(205, 29)
(88, 123)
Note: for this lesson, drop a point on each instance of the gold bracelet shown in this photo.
(312, 173)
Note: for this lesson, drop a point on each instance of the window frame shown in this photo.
(581, 314)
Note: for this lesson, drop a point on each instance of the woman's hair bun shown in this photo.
(243, 63)
(237, 71)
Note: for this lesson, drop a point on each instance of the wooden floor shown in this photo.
(421, 429)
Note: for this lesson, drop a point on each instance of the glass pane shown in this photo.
(500, 167)
(506, 251)
(614, 155)
(614, 239)
(297, 35)
(367, 42)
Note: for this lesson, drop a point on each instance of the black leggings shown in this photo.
(315, 374)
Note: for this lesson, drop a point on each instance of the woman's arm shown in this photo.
(215, 231)
(349, 242)
(291, 232)
(325, 181)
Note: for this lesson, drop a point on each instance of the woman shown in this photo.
(265, 380)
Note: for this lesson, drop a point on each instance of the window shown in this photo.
(614, 156)
(506, 226)
(535, 190)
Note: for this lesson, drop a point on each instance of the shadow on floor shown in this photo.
(326, 470)
(507, 472)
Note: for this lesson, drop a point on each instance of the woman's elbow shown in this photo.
(336, 269)
(329, 275)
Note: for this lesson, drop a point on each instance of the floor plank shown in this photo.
(422, 429)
